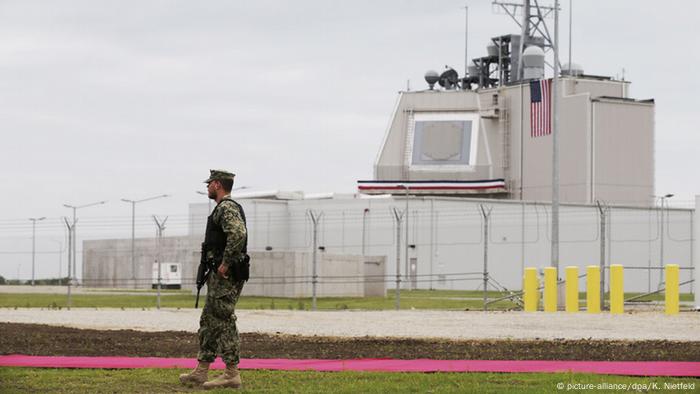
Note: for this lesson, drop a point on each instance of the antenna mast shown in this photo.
(532, 25)
(466, 39)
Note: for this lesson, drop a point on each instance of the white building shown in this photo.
(445, 236)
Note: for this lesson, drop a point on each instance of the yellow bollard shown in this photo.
(550, 289)
(617, 292)
(672, 296)
(593, 289)
(530, 295)
(572, 289)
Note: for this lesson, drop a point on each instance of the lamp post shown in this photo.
(661, 240)
(133, 230)
(34, 220)
(73, 242)
(555, 155)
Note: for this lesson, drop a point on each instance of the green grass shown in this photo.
(416, 299)
(659, 297)
(145, 291)
(20, 380)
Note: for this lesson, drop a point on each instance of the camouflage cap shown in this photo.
(217, 175)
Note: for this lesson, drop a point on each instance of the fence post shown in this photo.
(593, 289)
(160, 228)
(672, 296)
(572, 289)
(601, 276)
(550, 289)
(617, 292)
(70, 256)
(530, 289)
(315, 218)
(487, 216)
(398, 215)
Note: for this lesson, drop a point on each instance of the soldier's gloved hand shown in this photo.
(223, 270)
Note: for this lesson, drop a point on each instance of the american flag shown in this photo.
(540, 102)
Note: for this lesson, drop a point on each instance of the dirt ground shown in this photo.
(36, 339)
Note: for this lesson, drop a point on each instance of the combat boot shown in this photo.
(198, 375)
(230, 378)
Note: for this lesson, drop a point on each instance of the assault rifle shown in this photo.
(203, 272)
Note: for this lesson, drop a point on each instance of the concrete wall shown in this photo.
(273, 274)
(107, 263)
(289, 274)
(623, 160)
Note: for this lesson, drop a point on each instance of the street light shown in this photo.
(34, 220)
(75, 208)
(133, 229)
(661, 238)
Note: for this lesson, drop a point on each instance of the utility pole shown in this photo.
(75, 221)
(160, 228)
(487, 216)
(398, 215)
(602, 209)
(133, 231)
(315, 218)
(555, 154)
(34, 220)
(528, 29)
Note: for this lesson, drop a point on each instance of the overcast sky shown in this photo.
(103, 100)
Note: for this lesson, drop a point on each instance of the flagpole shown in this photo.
(555, 152)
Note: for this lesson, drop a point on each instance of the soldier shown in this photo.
(224, 246)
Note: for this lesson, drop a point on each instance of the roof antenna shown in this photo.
(570, 18)
(466, 40)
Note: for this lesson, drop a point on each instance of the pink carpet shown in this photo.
(636, 368)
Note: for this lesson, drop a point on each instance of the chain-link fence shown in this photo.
(437, 243)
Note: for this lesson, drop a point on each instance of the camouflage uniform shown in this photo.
(218, 333)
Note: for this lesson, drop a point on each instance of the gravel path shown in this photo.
(403, 324)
